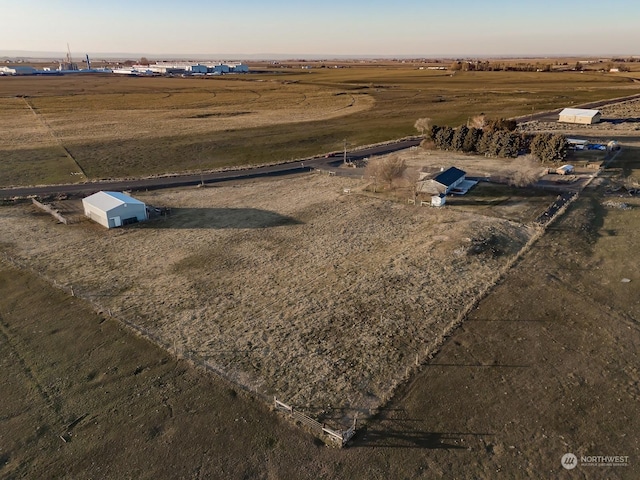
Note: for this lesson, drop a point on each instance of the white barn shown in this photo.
(114, 209)
(579, 115)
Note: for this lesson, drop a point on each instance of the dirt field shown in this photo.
(292, 287)
(546, 365)
(288, 287)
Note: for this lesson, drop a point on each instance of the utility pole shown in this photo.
(345, 151)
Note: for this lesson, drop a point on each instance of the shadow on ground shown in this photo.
(219, 218)
(408, 438)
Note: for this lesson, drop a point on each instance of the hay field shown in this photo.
(290, 287)
(123, 127)
(30, 151)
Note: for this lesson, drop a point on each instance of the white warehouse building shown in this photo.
(579, 115)
(114, 209)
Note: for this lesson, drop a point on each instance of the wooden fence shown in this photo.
(50, 210)
(338, 437)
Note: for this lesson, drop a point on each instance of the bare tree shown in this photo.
(411, 176)
(527, 171)
(479, 121)
(423, 125)
(385, 170)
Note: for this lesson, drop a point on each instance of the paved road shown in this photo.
(322, 162)
(272, 170)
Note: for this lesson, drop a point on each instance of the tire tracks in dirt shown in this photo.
(15, 345)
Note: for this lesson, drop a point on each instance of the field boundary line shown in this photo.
(53, 135)
(434, 347)
(171, 349)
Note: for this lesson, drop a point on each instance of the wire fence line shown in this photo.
(334, 436)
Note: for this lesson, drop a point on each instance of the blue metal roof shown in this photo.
(450, 176)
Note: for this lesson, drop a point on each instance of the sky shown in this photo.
(331, 27)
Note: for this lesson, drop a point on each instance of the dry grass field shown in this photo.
(292, 287)
(289, 287)
(30, 151)
(121, 127)
(547, 364)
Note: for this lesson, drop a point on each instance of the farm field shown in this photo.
(295, 288)
(122, 127)
(287, 287)
(546, 365)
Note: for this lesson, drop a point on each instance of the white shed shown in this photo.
(579, 115)
(114, 209)
(565, 170)
(438, 200)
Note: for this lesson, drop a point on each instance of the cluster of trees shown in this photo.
(548, 147)
(496, 138)
(486, 66)
(499, 143)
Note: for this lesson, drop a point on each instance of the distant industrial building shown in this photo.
(580, 116)
(114, 209)
(18, 70)
(186, 68)
(162, 68)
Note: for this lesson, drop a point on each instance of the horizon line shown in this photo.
(302, 56)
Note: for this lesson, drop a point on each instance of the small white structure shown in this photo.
(114, 209)
(565, 170)
(579, 115)
(577, 143)
(438, 200)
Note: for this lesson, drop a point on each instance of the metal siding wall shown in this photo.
(96, 214)
(130, 211)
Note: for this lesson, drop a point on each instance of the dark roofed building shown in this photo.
(444, 182)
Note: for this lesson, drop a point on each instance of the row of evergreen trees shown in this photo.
(499, 139)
